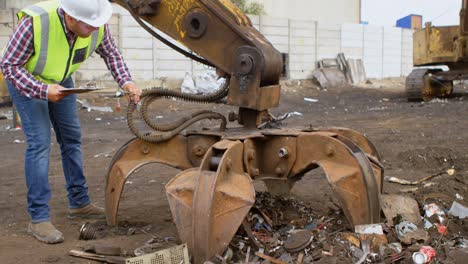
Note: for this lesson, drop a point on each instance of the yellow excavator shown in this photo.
(438, 46)
(214, 191)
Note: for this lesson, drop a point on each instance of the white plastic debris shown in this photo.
(432, 209)
(296, 114)
(369, 229)
(405, 227)
(84, 103)
(188, 85)
(105, 154)
(459, 197)
(458, 210)
(17, 141)
(451, 172)
(438, 101)
(311, 100)
(398, 180)
(201, 84)
(427, 224)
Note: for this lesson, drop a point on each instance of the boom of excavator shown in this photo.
(214, 192)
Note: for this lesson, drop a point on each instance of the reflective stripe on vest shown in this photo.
(45, 22)
(54, 60)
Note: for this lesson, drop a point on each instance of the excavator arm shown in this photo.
(224, 37)
(464, 19)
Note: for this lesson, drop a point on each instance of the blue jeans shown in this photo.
(36, 118)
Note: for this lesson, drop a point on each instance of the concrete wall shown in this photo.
(19, 3)
(386, 52)
(330, 11)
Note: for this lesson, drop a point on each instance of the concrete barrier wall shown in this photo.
(6, 27)
(302, 48)
(406, 52)
(373, 51)
(386, 52)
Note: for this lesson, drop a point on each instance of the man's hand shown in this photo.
(53, 93)
(221, 73)
(134, 92)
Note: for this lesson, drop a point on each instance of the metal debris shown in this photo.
(87, 232)
(150, 246)
(408, 233)
(369, 229)
(165, 256)
(402, 206)
(103, 249)
(425, 255)
(458, 210)
(366, 251)
(298, 241)
(98, 257)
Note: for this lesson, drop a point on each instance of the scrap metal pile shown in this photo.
(286, 230)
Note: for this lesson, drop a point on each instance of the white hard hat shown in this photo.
(92, 12)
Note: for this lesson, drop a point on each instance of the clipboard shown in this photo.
(82, 89)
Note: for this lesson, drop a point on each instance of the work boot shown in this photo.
(45, 232)
(87, 211)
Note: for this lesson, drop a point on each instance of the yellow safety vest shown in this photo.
(54, 60)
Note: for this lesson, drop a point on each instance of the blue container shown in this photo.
(411, 21)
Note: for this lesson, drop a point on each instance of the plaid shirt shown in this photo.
(21, 47)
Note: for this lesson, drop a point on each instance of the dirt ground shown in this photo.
(414, 139)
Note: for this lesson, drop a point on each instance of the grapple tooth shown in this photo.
(208, 206)
(134, 154)
(352, 176)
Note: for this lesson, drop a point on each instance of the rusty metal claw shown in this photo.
(134, 154)
(353, 177)
(212, 196)
(209, 203)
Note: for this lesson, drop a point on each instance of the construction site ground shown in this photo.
(415, 140)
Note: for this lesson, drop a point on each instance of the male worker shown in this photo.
(51, 41)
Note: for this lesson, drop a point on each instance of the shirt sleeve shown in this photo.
(113, 59)
(17, 52)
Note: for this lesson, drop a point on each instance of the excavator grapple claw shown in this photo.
(211, 197)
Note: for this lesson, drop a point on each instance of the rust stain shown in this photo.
(236, 12)
(179, 9)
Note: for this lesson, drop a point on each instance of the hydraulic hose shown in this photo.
(169, 130)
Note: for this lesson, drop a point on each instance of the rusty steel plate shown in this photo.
(298, 241)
